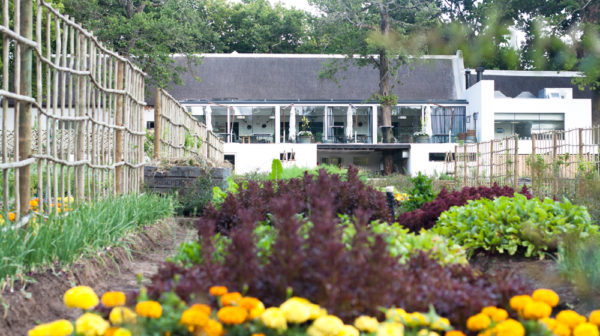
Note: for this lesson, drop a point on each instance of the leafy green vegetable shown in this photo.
(421, 193)
(511, 224)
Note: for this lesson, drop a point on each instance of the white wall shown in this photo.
(258, 157)
(480, 97)
(373, 158)
(418, 160)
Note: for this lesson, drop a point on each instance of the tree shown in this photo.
(149, 31)
(380, 33)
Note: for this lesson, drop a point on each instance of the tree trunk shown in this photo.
(384, 92)
(25, 108)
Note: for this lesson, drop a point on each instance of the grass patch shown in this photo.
(57, 241)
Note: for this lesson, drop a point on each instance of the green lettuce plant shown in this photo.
(512, 224)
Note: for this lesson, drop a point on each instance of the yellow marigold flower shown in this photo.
(111, 331)
(113, 299)
(478, 322)
(454, 333)
(366, 323)
(397, 315)
(586, 329)
(536, 310)
(425, 332)
(327, 325)
(549, 322)
(11, 216)
(82, 297)
(258, 334)
(441, 323)
(274, 318)
(202, 307)
(56, 328)
(416, 319)
(39, 330)
(257, 311)
(213, 328)
(496, 314)
(193, 318)
(561, 329)
(390, 329)
(217, 290)
(90, 324)
(348, 330)
(296, 311)
(122, 332)
(509, 327)
(570, 318)
(120, 315)
(232, 315)
(150, 309)
(595, 317)
(546, 295)
(248, 302)
(518, 302)
(33, 203)
(230, 299)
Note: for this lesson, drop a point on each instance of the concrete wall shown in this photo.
(373, 159)
(480, 97)
(258, 157)
(418, 160)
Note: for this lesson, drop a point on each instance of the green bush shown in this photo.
(421, 193)
(510, 224)
(60, 240)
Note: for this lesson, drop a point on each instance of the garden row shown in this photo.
(326, 241)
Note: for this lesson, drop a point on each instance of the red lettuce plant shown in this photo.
(428, 214)
(348, 281)
(347, 196)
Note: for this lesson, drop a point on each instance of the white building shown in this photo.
(259, 104)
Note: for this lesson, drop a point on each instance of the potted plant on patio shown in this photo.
(421, 137)
(305, 135)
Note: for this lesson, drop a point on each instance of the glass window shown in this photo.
(446, 121)
(406, 121)
(525, 124)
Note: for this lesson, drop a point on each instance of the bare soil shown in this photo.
(112, 269)
(540, 274)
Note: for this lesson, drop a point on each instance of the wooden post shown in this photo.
(26, 75)
(80, 126)
(506, 161)
(554, 165)
(516, 169)
(157, 122)
(477, 171)
(119, 133)
(456, 162)
(580, 144)
(533, 160)
(491, 162)
(465, 165)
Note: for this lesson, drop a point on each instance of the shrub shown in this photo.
(192, 201)
(507, 224)
(258, 200)
(349, 279)
(421, 193)
(428, 214)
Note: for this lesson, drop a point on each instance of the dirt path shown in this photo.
(114, 269)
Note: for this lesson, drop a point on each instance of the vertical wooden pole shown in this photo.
(456, 163)
(465, 165)
(533, 161)
(516, 168)
(580, 144)
(477, 171)
(506, 161)
(80, 125)
(554, 163)
(26, 75)
(491, 162)
(119, 133)
(157, 122)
